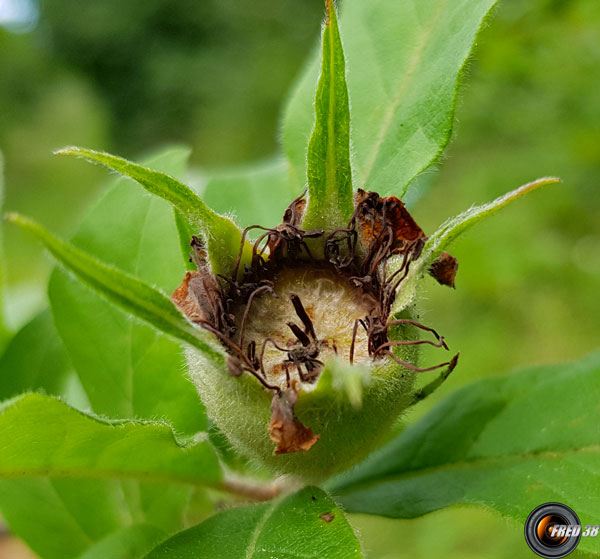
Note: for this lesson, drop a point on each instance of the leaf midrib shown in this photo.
(331, 152)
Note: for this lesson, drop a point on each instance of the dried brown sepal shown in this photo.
(444, 269)
(195, 296)
(287, 239)
(234, 366)
(295, 211)
(375, 215)
(200, 296)
(285, 429)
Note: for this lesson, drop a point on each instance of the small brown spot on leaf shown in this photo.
(444, 269)
(327, 517)
(285, 429)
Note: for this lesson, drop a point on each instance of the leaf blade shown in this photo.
(329, 172)
(42, 436)
(34, 358)
(295, 524)
(265, 188)
(509, 443)
(404, 60)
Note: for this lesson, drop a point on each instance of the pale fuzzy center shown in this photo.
(330, 302)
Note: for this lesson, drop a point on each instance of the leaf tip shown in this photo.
(328, 8)
(16, 218)
(528, 187)
(68, 150)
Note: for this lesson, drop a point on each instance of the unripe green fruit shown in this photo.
(329, 368)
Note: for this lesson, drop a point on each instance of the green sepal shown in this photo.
(340, 380)
(222, 236)
(446, 233)
(329, 171)
(128, 292)
(185, 232)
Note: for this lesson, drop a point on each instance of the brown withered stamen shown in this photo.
(262, 353)
(281, 353)
(417, 325)
(303, 316)
(257, 291)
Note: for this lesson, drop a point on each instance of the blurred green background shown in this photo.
(127, 77)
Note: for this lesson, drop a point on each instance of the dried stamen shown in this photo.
(257, 291)
(303, 316)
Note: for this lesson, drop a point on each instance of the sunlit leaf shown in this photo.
(307, 524)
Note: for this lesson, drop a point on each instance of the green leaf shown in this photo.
(222, 236)
(328, 160)
(135, 296)
(447, 232)
(404, 63)
(158, 310)
(40, 509)
(34, 358)
(509, 443)
(42, 436)
(264, 188)
(307, 524)
(134, 372)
